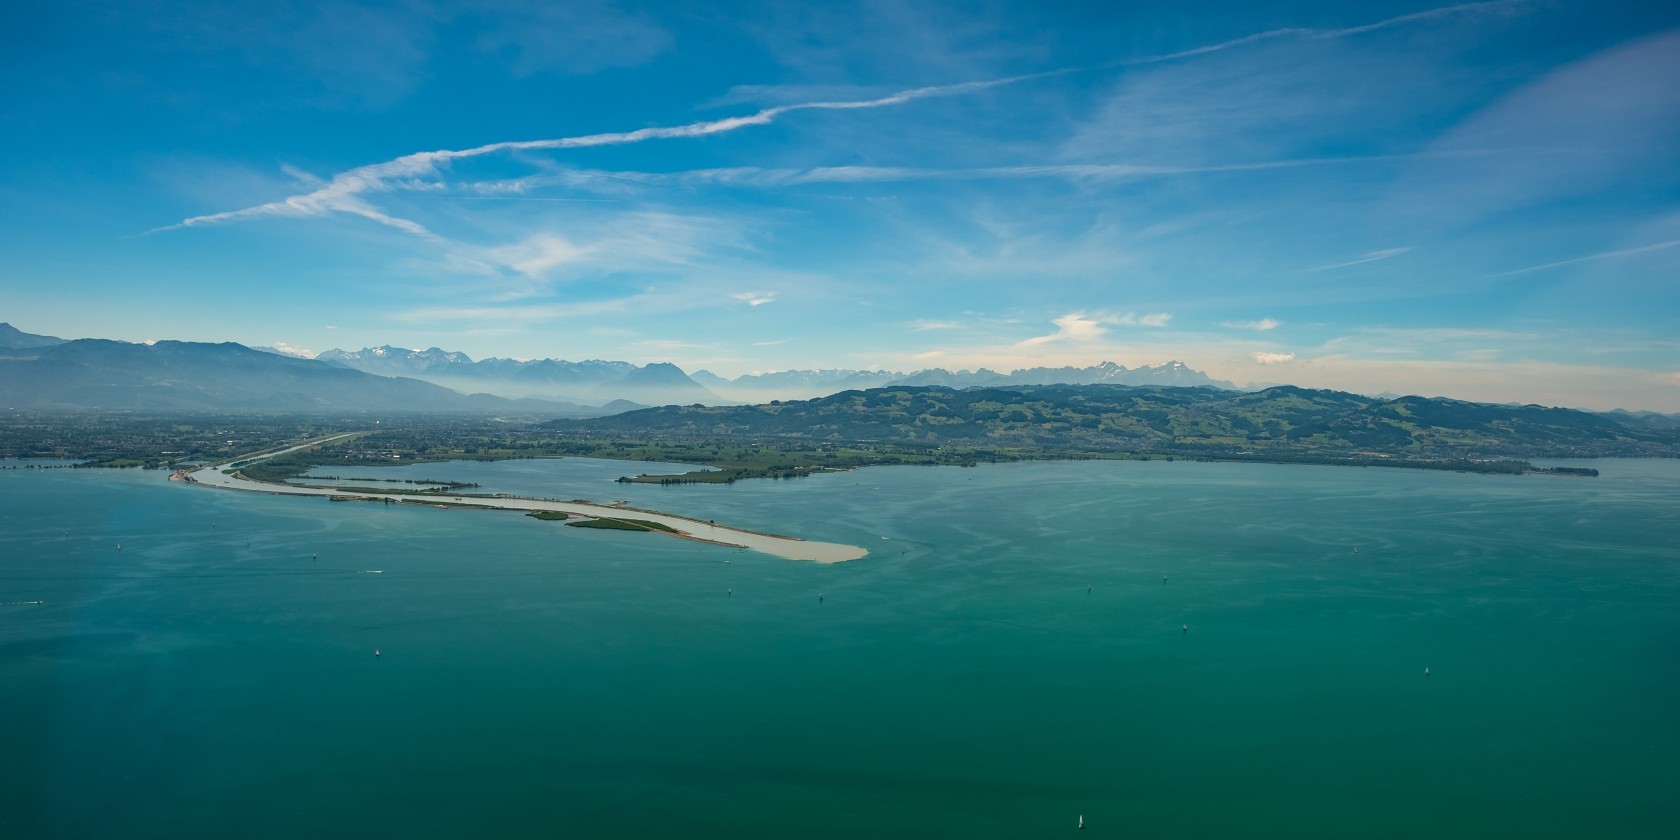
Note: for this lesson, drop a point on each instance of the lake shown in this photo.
(1168, 649)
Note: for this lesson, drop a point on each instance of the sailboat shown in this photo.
(1081, 822)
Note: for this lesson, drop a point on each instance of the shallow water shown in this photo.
(1006, 659)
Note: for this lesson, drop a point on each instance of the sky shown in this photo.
(1478, 200)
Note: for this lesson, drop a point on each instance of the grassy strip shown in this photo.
(550, 515)
(622, 525)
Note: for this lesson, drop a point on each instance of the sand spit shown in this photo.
(792, 548)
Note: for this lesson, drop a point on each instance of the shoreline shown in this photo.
(685, 527)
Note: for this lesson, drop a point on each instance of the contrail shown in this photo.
(344, 192)
(1605, 255)
(1326, 34)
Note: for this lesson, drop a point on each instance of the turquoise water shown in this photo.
(1006, 659)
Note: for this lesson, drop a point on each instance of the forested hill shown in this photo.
(1280, 421)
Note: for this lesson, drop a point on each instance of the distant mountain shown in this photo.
(589, 381)
(394, 361)
(1651, 419)
(659, 383)
(1173, 373)
(1279, 422)
(940, 377)
(599, 381)
(95, 374)
(708, 379)
(808, 384)
(12, 338)
(793, 384)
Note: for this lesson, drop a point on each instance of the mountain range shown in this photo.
(97, 374)
(596, 381)
(592, 382)
(41, 371)
(1176, 409)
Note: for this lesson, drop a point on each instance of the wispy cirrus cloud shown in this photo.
(1426, 342)
(1262, 325)
(539, 254)
(346, 192)
(754, 298)
(1440, 13)
(1603, 122)
(1288, 92)
(924, 324)
(1368, 257)
(1150, 319)
(619, 181)
(1603, 255)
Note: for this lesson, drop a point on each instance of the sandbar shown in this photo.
(791, 548)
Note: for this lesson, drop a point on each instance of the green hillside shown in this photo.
(1278, 423)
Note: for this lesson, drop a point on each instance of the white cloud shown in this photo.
(1067, 327)
(289, 350)
(1262, 325)
(538, 254)
(754, 298)
(924, 324)
(1086, 327)
(1072, 327)
(1264, 358)
(1152, 319)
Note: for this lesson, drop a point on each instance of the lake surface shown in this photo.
(1006, 659)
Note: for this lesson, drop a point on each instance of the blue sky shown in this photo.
(1477, 200)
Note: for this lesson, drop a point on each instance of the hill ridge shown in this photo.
(1199, 421)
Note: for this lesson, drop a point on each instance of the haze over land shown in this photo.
(49, 384)
(1471, 200)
